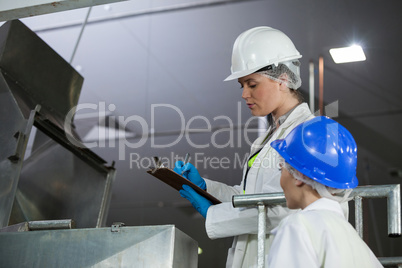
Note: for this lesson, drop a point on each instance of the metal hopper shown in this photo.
(61, 179)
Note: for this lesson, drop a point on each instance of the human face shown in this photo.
(289, 186)
(262, 95)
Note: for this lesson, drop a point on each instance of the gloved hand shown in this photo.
(200, 203)
(190, 173)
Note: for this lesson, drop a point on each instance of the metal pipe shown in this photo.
(321, 85)
(150, 11)
(252, 200)
(392, 193)
(262, 226)
(391, 261)
(51, 225)
(359, 215)
(311, 86)
(11, 9)
(261, 201)
(80, 35)
(394, 204)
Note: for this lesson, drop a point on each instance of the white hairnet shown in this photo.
(339, 195)
(290, 68)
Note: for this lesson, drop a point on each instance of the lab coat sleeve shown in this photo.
(222, 191)
(292, 247)
(223, 220)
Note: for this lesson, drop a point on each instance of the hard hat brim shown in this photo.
(241, 74)
(237, 75)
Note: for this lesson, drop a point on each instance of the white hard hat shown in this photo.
(260, 47)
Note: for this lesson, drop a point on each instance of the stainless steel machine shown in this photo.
(54, 201)
(59, 180)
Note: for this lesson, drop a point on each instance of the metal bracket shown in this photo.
(116, 226)
(20, 137)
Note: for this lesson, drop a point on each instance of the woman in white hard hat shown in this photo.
(318, 160)
(265, 63)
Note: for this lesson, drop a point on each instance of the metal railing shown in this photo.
(391, 192)
(393, 195)
(391, 261)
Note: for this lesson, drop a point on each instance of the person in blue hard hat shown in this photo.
(265, 62)
(318, 170)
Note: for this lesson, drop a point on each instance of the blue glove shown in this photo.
(200, 203)
(190, 173)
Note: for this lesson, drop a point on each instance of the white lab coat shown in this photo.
(319, 236)
(223, 220)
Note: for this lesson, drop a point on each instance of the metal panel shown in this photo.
(56, 184)
(147, 246)
(41, 75)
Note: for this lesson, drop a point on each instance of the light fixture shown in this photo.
(347, 54)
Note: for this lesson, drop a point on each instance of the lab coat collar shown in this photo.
(303, 107)
(281, 119)
(289, 120)
(325, 204)
(320, 204)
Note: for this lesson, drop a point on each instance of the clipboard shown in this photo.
(176, 181)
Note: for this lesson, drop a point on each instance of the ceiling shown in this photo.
(157, 68)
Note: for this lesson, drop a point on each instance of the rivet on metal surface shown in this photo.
(116, 226)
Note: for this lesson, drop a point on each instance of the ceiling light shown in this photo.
(347, 54)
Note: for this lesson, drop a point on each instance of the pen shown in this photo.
(156, 163)
(185, 161)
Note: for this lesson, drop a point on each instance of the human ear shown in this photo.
(298, 183)
(284, 79)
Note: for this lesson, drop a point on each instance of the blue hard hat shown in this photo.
(323, 150)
